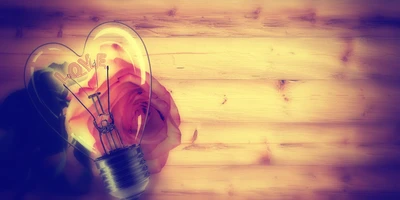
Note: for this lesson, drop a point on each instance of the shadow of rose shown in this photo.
(33, 156)
(37, 160)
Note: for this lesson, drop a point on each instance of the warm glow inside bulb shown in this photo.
(99, 97)
(112, 44)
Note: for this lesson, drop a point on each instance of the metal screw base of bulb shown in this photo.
(124, 172)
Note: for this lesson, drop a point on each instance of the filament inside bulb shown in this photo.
(110, 138)
(104, 123)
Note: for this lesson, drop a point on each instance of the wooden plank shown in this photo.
(245, 58)
(199, 6)
(275, 194)
(291, 18)
(289, 133)
(283, 194)
(259, 182)
(284, 154)
(284, 101)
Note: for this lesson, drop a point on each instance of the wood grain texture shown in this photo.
(261, 182)
(245, 58)
(239, 18)
(284, 101)
(293, 99)
(289, 133)
(284, 154)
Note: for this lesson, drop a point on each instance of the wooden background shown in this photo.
(289, 99)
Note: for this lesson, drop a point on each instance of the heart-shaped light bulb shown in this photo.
(101, 97)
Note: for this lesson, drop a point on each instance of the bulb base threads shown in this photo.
(124, 172)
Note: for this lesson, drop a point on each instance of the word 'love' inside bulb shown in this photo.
(100, 99)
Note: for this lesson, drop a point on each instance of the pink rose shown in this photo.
(128, 103)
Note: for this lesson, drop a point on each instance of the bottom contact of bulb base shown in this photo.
(124, 172)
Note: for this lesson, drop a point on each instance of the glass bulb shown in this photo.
(101, 97)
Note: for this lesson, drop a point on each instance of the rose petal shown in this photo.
(172, 141)
(154, 126)
(128, 99)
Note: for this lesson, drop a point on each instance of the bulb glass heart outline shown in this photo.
(63, 83)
